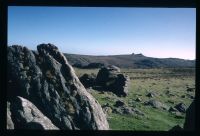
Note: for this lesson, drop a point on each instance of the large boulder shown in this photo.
(107, 74)
(111, 79)
(45, 78)
(26, 115)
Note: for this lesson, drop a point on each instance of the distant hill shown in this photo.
(129, 61)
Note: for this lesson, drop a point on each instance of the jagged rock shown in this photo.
(26, 115)
(119, 103)
(190, 118)
(111, 79)
(88, 80)
(122, 108)
(50, 83)
(127, 110)
(181, 107)
(121, 85)
(10, 124)
(104, 75)
(156, 104)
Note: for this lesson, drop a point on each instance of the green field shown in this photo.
(174, 81)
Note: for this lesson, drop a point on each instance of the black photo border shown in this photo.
(93, 3)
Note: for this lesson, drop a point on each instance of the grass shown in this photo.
(143, 81)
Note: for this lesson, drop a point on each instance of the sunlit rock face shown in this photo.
(26, 115)
(46, 79)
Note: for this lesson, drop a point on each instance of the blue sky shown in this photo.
(154, 32)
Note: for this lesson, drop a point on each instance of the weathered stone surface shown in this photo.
(46, 79)
(26, 116)
(88, 80)
(127, 110)
(10, 124)
(122, 108)
(111, 79)
(156, 104)
(190, 118)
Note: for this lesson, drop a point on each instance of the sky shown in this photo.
(154, 32)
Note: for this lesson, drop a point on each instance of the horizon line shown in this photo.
(102, 55)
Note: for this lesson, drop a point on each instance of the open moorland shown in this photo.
(46, 91)
(165, 86)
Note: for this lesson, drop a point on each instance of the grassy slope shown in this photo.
(144, 80)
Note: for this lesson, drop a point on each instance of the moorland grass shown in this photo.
(159, 81)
